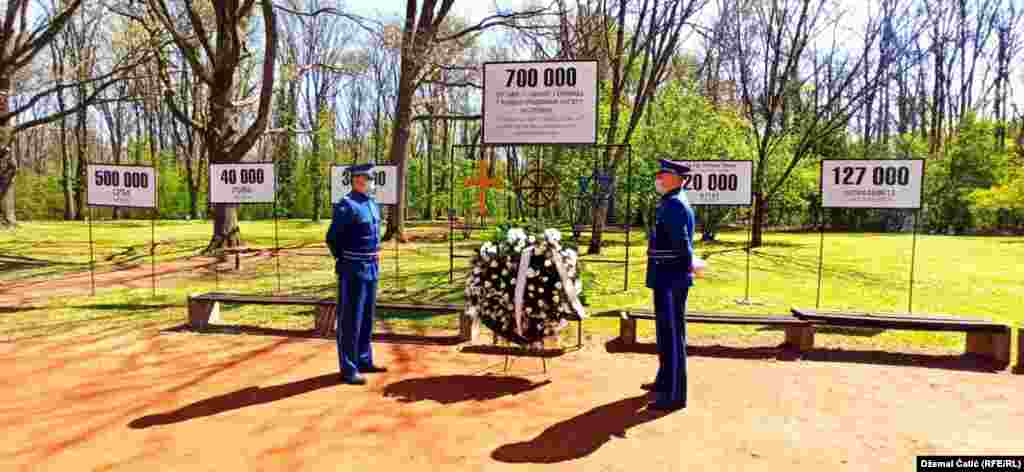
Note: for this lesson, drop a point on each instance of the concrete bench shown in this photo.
(204, 310)
(799, 333)
(984, 337)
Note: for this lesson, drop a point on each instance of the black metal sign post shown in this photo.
(152, 250)
(277, 242)
(216, 269)
(913, 264)
(451, 215)
(398, 279)
(629, 214)
(821, 256)
(92, 257)
(242, 176)
(122, 183)
(748, 249)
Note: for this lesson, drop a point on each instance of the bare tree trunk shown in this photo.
(69, 199)
(315, 169)
(757, 232)
(400, 148)
(193, 182)
(226, 232)
(82, 158)
(430, 168)
(1002, 76)
(8, 161)
(9, 216)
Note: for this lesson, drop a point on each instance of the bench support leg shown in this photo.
(469, 328)
(1020, 350)
(800, 338)
(627, 331)
(995, 346)
(326, 321)
(202, 313)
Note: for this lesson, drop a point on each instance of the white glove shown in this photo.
(698, 266)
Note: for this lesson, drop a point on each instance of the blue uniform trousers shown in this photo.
(670, 310)
(355, 312)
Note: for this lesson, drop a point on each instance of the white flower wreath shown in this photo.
(525, 304)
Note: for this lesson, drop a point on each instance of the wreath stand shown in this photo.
(550, 346)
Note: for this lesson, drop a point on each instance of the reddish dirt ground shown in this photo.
(173, 400)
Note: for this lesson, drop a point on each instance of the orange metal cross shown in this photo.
(483, 182)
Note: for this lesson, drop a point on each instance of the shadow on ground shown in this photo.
(579, 436)
(450, 389)
(781, 353)
(965, 362)
(843, 330)
(389, 338)
(235, 400)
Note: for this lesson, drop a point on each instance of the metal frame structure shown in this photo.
(154, 210)
(210, 202)
(821, 242)
(509, 209)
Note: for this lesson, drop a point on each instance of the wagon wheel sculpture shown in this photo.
(538, 187)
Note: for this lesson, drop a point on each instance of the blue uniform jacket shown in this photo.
(670, 245)
(354, 236)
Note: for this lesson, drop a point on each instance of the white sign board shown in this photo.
(540, 102)
(719, 182)
(121, 186)
(244, 182)
(384, 179)
(872, 184)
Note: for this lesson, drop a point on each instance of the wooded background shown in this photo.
(307, 84)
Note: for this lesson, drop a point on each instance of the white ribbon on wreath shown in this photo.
(568, 287)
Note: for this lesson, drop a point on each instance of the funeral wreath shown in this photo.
(524, 286)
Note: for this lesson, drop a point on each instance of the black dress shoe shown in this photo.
(373, 369)
(354, 380)
(666, 406)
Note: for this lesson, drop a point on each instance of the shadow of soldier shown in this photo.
(579, 436)
(235, 400)
(450, 389)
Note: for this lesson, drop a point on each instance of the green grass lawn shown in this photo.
(964, 276)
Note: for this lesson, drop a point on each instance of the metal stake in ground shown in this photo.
(750, 237)
(913, 257)
(92, 257)
(277, 245)
(821, 256)
(398, 280)
(152, 250)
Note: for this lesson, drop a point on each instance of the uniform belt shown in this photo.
(665, 254)
(359, 256)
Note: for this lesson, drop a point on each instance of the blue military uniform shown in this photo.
(669, 257)
(354, 241)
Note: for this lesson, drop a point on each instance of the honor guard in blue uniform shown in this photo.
(354, 241)
(669, 257)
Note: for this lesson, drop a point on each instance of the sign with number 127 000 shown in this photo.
(891, 183)
(249, 182)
